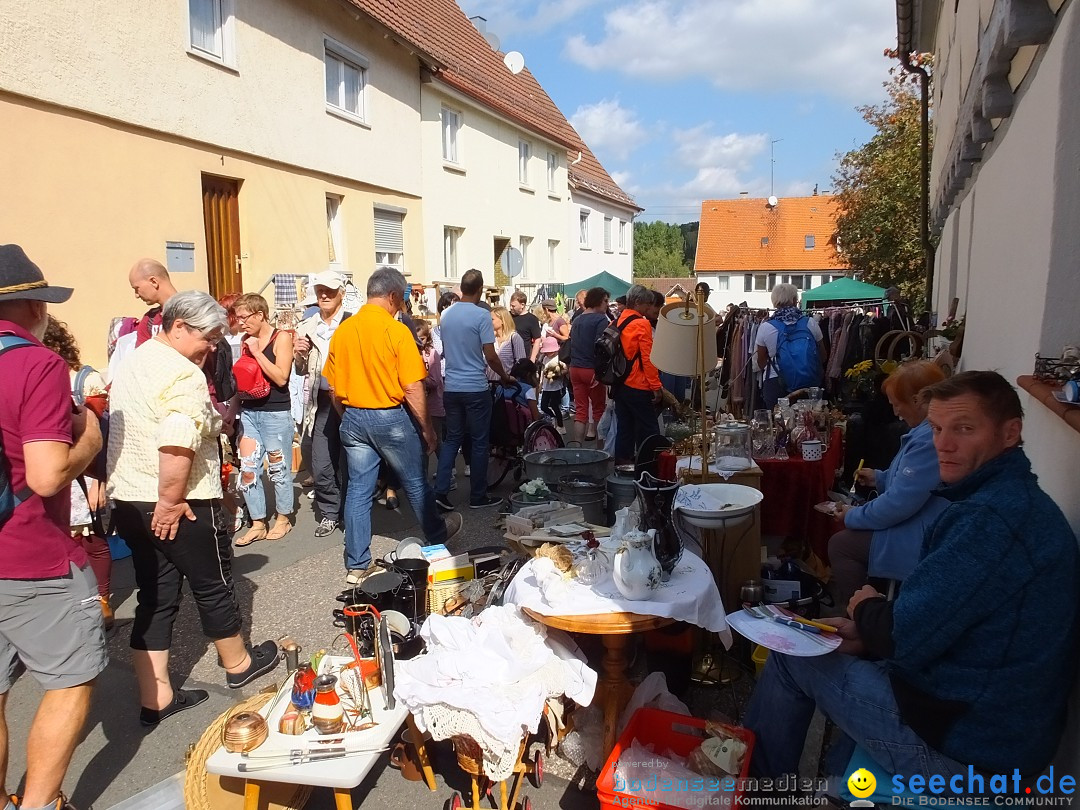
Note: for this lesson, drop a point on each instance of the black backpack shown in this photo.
(9, 498)
(610, 362)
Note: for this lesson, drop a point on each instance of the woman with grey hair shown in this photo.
(788, 348)
(164, 477)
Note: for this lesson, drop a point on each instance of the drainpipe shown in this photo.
(924, 154)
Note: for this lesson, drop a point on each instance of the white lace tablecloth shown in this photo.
(685, 462)
(690, 596)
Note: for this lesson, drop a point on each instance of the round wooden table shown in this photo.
(613, 629)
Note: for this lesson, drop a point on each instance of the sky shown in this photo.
(685, 100)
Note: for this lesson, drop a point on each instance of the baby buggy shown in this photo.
(513, 433)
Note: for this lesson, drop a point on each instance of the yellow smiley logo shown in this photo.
(861, 783)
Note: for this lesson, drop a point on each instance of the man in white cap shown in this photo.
(50, 617)
(321, 422)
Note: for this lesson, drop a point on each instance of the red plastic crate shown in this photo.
(664, 731)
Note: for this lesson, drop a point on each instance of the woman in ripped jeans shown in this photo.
(266, 423)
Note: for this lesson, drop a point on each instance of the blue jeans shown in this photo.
(856, 695)
(368, 438)
(467, 414)
(273, 435)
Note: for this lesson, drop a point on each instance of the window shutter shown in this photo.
(388, 232)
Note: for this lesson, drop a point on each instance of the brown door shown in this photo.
(501, 279)
(221, 218)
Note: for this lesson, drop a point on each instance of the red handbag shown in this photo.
(251, 383)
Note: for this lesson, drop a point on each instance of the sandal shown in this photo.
(256, 533)
(282, 526)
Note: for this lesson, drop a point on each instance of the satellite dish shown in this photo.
(773, 202)
(514, 262)
(515, 62)
(492, 39)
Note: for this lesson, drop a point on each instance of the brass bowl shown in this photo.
(244, 732)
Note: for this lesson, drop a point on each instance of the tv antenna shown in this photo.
(772, 167)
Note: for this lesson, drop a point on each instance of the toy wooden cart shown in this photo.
(470, 760)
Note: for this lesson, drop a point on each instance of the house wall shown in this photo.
(1008, 251)
(736, 288)
(86, 221)
(480, 194)
(117, 61)
(589, 259)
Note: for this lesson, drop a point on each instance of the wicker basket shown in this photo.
(439, 592)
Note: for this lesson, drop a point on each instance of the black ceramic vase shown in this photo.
(657, 505)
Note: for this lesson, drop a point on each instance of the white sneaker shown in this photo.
(468, 472)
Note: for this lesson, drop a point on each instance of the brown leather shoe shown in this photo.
(107, 618)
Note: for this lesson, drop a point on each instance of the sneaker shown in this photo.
(443, 502)
(264, 657)
(489, 500)
(468, 472)
(182, 699)
(453, 482)
(355, 575)
(326, 526)
(454, 523)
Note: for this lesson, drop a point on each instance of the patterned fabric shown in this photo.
(286, 289)
(160, 399)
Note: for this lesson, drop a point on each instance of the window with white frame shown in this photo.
(390, 238)
(553, 249)
(552, 169)
(583, 228)
(607, 234)
(801, 282)
(755, 282)
(450, 252)
(525, 245)
(722, 283)
(451, 129)
(622, 236)
(346, 80)
(211, 26)
(524, 153)
(333, 228)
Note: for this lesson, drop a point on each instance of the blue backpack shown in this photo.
(796, 361)
(9, 498)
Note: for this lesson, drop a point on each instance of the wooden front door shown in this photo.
(221, 218)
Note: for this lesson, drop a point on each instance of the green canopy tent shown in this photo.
(613, 284)
(843, 290)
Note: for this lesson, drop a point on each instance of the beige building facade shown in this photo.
(235, 148)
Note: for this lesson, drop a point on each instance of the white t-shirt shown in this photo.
(766, 337)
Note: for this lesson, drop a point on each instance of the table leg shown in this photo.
(251, 795)
(343, 799)
(614, 685)
(421, 753)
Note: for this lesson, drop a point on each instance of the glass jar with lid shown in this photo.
(732, 446)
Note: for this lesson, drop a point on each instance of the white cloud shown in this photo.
(697, 148)
(609, 128)
(790, 45)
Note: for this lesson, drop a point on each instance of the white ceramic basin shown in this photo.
(713, 506)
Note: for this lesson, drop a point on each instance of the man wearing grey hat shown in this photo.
(321, 422)
(50, 617)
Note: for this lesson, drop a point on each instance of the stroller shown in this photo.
(514, 434)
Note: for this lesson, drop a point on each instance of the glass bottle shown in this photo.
(303, 690)
(326, 712)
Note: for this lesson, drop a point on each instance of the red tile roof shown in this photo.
(460, 57)
(732, 235)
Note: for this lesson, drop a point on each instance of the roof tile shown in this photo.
(733, 233)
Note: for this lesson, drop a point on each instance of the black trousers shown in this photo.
(551, 404)
(201, 554)
(636, 415)
(326, 458)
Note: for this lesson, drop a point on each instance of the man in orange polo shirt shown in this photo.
(377, 376)
(637, 397)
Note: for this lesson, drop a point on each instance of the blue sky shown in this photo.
(681, 99)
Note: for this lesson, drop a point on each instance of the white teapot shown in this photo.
(637, 572)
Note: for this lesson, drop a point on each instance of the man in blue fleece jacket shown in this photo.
(973, 663)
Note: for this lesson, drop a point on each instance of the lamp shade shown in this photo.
(676, 341)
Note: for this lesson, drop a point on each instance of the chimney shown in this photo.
(480, 23)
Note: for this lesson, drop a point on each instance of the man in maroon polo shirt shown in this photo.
(50, 618)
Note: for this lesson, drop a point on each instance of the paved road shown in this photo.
(284, 587)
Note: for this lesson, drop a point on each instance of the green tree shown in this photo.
(659, 251)
(877, 189)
